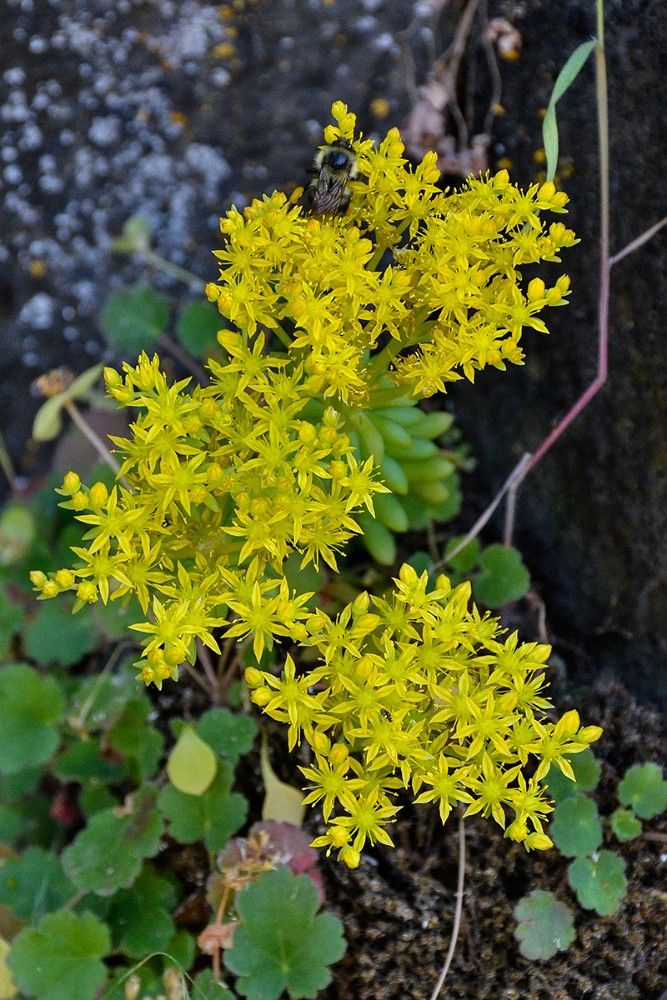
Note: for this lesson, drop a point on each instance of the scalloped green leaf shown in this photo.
(282, 943)
(56, 636)
(503, 576)
(17, 531)
(34, 884)
(11, 823)
(192, 764)
(576, 829)
(140, 917)
(132, 319)
(114, 618)
(230, 734)
(599, 882)
(586, 769)
(467, 559)
(586, 773)
(212, 817)
(11, 621)
(108, 854)
(545, 925)
(100, 700)
(197, 327)
(206, 987)
(62, 957)
(625, 825)
(644, 789)
(31, 708)
(134, 737)
(85, 761)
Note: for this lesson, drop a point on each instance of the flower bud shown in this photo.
(547, 191)
(97, 496)
(538, 842)
(65, 578)
(339, 753)
(87, 592)
(79, 501)
(71, 483)
(536, 290)
(320, 742)
(253, 677)
(350, 857)
(112, 378)
(307, 432)
(261, 696)
(589, 734)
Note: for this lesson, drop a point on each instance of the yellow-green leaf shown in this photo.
(282, 803)
(7, 987)
(48, 423)
(192, 765)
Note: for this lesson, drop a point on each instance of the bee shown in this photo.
(52, 383)
(334, 166)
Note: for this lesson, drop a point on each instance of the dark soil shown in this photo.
(398, 907)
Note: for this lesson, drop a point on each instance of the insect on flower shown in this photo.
(53, 382)
(334, 166)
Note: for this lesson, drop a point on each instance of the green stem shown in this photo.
(88, 432)
(382, 360)
(6, 463)
(165, 341)
(166, 266)
(282, 335)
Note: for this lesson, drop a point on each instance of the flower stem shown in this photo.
(88, 432)
(457, 912)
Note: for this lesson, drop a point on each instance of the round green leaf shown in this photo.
(644, 789)
(196, 328)
(599, 882)
(282, 944)
(31, 707)
(576, 829)
(212, 817)
(34, 884)
(230, 734)
(108, 854)
(56, 636)
(503, 576)
(545, 925)
(135, 236)
(192, 765)
(378, 540)
(62, 957)
(134, 318)
(625, 825)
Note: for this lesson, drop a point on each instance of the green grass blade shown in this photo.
(566, 77)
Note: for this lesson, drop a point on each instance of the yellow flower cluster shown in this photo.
(221, 486)
(450, 299)
(417, 692)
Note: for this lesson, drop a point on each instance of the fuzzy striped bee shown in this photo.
(334, 166)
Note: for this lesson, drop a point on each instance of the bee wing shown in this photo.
(329, 195)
